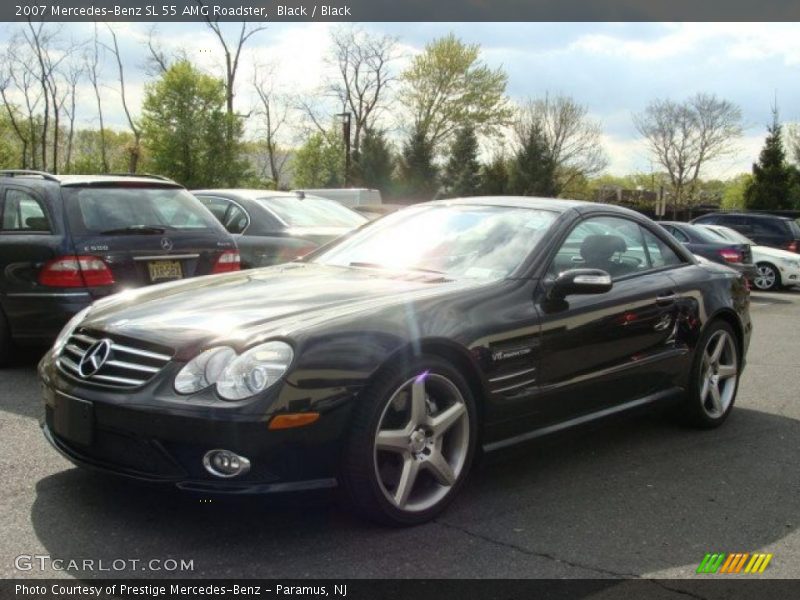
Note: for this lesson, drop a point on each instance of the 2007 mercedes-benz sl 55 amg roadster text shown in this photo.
(385, 361)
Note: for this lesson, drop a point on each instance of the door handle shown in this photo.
(666, 299)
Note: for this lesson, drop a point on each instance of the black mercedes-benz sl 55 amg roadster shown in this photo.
(384, 362)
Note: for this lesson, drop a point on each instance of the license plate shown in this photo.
(73, 419)
(161, 270)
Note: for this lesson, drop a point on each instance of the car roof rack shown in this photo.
(28, 173)
(148, 175)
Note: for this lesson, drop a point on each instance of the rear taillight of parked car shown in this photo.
(76, 271)
(731, 256)
(792, 246)
(227, 262)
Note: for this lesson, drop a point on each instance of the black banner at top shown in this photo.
(399, 10)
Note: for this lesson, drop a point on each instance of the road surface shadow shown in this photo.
(637, 496)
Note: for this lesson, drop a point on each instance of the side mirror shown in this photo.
(580, 281)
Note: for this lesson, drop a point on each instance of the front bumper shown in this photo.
(167, 448)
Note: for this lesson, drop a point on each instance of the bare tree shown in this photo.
(573, 139)
(93, 69)
(39, 40)
(232, 52)
(135, 150)
(273, 110)
(159, 61)
(9, 76)
(18, 74)
(73, 77)
(363, 65)
(684, 137)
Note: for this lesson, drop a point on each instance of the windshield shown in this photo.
(477, 242)
(112, 209)
(313, 212)
(704, 235)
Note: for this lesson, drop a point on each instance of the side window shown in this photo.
(677, 234)
(22, 212)
(659, 253)
(612, 244)
(768, 227)
(217, 206)
(236, 219)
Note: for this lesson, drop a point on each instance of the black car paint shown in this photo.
(36, 313)
(265, 239)
(535, 365)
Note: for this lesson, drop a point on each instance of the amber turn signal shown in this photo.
(291, 420)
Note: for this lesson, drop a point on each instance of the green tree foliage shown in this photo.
(448, 87)
(533, 172)
(494, 177)
(733, 194)
(772, 178)
(462, 172)
(419, 177)
(185, 129)
(319, 163)
(374, 164)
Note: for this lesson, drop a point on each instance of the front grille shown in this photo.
(129, 364)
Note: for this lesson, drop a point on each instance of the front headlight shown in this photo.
(255, 370)
(72, 325)
(203, 370)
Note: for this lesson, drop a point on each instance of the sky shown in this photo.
(614, 69)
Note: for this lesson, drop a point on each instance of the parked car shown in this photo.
(736, 255)
(350, 197)
(276, 227)
(775, 267)
(67, 240)
(383, 365)
(375, 211)
(764, 229)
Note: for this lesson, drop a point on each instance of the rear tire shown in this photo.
(411, 443)
(768, 277)
(714, 379)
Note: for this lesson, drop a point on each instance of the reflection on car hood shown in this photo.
(774, 252)
(318, 235)
(248, 304)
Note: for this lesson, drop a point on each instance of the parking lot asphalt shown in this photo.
(639, 497)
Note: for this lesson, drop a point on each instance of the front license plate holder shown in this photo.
(164, 270)
(73, 419)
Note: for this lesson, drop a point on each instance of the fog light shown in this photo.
(224, 463)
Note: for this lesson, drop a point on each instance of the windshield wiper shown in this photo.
(369, 265)
(137, 229)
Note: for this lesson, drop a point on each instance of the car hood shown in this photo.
(248, 305)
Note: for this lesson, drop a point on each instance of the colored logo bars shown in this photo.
(734, 563)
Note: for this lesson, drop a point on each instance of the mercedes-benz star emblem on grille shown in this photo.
(166, 244)
(95, 357)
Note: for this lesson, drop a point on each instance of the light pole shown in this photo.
(346, 118)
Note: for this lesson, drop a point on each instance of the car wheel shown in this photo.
(714, 377)
(767, 277)
(411, 444)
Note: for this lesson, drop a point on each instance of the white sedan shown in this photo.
(774, 267)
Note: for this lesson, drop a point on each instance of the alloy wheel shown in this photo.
(421, 442)
(719, 374)
(765, 277)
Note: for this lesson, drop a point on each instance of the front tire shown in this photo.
(714, 379)
(768, 278)
(412, 442)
